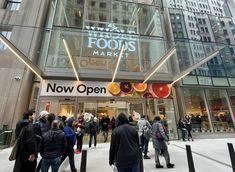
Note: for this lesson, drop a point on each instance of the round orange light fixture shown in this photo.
(161, 90)
(140, 87)
(114, 88)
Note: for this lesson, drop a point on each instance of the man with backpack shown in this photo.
(144, 129)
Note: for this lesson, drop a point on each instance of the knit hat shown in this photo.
(43, 113)
(95, 119)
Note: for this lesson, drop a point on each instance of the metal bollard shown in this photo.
(190, 159)
(83, 161)
(141, 166)
(232, 155)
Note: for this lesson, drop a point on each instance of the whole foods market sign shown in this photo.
(108, 41)
(103, 89)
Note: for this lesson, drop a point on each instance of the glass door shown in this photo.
(165, 109)
(67, 108)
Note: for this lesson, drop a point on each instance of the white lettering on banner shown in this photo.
(101, 40)
(74, 88)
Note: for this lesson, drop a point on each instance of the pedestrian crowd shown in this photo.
(54, 138)
(185, 126)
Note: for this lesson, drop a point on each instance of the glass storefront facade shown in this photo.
(209, 109)
(96, 31)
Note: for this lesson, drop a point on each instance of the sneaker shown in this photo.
(77, 152)
(146, 157)
(159, 166)
(170, 165)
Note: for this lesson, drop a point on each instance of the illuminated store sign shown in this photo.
(108, 41)
(104, 89)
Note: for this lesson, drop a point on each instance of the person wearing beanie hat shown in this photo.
(43, 114)
(41, 127)
(71, 140)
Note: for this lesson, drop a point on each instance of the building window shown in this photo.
(7, 34)
(13, 5)
(102, 5)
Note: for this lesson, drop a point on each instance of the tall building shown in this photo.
(105, 57)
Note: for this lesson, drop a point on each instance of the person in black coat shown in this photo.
(124, 149)
(188, 125)
(53, 146)
(26, 159)
(105, 127)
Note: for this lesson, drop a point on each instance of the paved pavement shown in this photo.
(208, 154)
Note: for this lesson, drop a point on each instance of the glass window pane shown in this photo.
(218, 106)
(230, 117)
(220, 81)
(231, 81)
(13, 5)
(190, 80)
(204, 80)
(196, 109)
(7, 34)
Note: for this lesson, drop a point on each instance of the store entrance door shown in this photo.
(100, 108)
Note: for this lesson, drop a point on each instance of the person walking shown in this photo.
(105, 127)
(113, 123)
(71, 140)
(124, 149)
(181, 125)
(26, 159)
(160, 141)
(79, 134)
(144, 129)
(41, 127)
(188, 125)
(53, 146)
(93, 131)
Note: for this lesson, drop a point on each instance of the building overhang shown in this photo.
(22, 57)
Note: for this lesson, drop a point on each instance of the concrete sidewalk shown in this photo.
(208, 154)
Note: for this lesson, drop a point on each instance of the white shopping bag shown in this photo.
(64, 167)
(114, 168)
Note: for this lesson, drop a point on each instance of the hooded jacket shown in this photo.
(69, 132)
(53, 144)
(124, 146)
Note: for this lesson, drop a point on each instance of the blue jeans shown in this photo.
(91, 138)
(54, 163)
(133, 168)
(144, 144)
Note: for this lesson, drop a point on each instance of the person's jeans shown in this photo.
(133, 168)
(79, 142)
(91, 138)
(70, 153)
(54, 163)
(144, 144)
(105, 134)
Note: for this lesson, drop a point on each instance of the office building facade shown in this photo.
(106, 57)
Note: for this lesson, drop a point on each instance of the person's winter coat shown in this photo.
(124, 146)
(69, 132)
(158, 130)
(28, 143)
(53, 144)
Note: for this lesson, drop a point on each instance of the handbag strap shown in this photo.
(21, 131)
